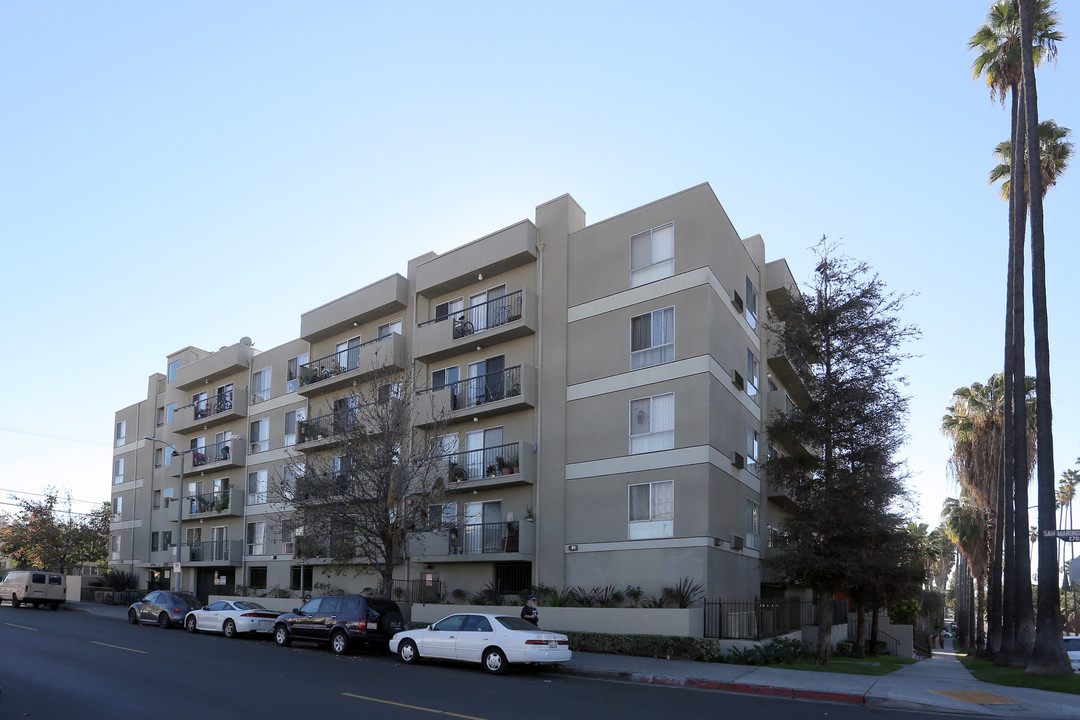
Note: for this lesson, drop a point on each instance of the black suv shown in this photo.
(341, 620)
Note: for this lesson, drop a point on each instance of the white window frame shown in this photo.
(118, 507)
(118, 471)
(750, 311)
(753, 524)
(648, 432)
(257, 480)
(289, 473)
(260, 435)
(260, 385)
(387, 329)
(660, 349)
(298, 416)
(753, 448)
(753, 370)
(660, 245)
(292, 372)
(121, 433)
(115, 547)
(173, 367)
(256, 545)
(661, 511)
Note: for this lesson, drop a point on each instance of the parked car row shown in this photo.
(345, 622)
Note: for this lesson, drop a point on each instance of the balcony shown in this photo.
(497, 466)
(780, 403)
(789, 369)
(500, 319)
(509, 248)
(377, 300)
(347, 366)
(223, 503)
(209, 458)
(214, 410)
(216, 366)
(483, 542)
(212, 553)
(496, 393)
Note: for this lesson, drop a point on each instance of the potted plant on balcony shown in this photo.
(505, 468)
(223, 501)
(458, 474)
(491, 471)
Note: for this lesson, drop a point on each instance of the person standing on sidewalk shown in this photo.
(530, 613)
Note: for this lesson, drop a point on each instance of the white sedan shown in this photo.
(231, 617)
(492, 640)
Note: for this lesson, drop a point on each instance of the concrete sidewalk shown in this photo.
(940, 684)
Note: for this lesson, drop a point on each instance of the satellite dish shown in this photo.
(245, 341)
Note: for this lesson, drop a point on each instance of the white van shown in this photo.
(35, 587)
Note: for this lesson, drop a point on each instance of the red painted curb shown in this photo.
(832, 697)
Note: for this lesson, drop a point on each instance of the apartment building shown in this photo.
(607, 388)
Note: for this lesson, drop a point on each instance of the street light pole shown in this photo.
(179, 505)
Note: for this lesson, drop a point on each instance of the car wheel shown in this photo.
(15, 601)
(494, 661)
(229, 629)
(163, 619)
(281, 636)
(133, 617)
(408, 652)
(339, 642)
(192, 624)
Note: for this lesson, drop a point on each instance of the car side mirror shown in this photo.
(296, 611)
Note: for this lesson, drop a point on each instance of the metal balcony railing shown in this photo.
(481, 389)
(218, 452)
(337, 363)
(487, 462)
(480, 317)
(212, 550)
(480, 538)
(217, 501)
(213, 405)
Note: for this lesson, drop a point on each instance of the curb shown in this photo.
(720, 686)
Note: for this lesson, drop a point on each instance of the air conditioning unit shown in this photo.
(738, 460)
(737, 380)
(116, 517)
(736, 542)
(736, 300)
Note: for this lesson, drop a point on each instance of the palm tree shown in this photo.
(1048, 656)
(1070, 479)
(967, 525)
(944, 550)
(1054, 149)
(975, 425)
(1000, 61)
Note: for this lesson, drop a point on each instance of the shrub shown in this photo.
(119, 580)
(685, 593)
(660, 646)
(633, 594)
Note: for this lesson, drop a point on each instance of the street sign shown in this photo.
(1066, 535)
(176, 567)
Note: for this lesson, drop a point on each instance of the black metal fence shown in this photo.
(761, 619)
(108, 596)
(418, 591)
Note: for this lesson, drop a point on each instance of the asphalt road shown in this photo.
(73, 665)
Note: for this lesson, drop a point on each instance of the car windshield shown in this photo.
(186, 598)
(515, 623)
(1072, 644)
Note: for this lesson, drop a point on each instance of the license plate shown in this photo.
(552, 644)
(264, 623)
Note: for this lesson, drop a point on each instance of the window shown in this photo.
(753, 369)
(291, 419)
(114, 549)
(652, 423)
(118, 471)
(121, 433)
(170, 409)
(173, 367)
(199, 402)
(752, 449)
(750, 307)
(288, 537)
(448, 376)
(348, 355)
(652, 255)
(292, 372)
(753, 523)
(288, 479)
(652, 338)
(157, 499)
(155, 538)
(159, 455)
(161, 416)
(257, 577)
(260, 435)
(300, 577)
(442, 515)
(389, 328)
(487, 381)
(448, 309)
(256, 487)
(256, 536)
(389, 390)
(260, 386)
(651, 509)
(166, 539)
(118, 507)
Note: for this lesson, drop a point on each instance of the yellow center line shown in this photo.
(21, 627)
(120, 647)
(412, 707)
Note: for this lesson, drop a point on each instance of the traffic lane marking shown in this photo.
(21, 627)
(413, 707)
(119, 647)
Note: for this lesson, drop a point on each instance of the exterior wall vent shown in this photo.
(736, 300)
(737, 380)
(736, 542)
(738, 460)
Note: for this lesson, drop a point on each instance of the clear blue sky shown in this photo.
(207, 150)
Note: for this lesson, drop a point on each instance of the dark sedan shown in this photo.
(163, 608)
